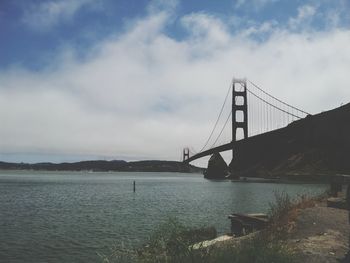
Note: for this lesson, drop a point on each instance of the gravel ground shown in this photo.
(321, 234)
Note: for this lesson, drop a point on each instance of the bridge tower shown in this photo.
(239, 105)
(185, 154)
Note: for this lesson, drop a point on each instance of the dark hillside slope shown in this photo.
(314, 146)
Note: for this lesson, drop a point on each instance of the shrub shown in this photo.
(172, 242)
(280, 208)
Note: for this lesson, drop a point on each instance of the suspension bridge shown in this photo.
(253, 111)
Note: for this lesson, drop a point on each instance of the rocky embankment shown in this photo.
(315, 234)
(104, 166)
(321, 234)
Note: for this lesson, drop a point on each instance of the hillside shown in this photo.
(316, 146)
(102, 166)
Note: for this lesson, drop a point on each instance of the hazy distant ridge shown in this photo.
(101, 165)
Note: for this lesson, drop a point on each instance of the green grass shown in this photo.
(172, 242)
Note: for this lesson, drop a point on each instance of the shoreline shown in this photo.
(311, 230)
(106, 166)
(243, 180)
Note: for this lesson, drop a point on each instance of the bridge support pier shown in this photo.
(239, 104)
(185, 154)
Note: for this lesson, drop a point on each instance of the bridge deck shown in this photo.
(221, 148)
(230, 146)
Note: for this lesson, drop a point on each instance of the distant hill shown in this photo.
(316, 146)
(102, 166)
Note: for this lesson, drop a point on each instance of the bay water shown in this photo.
(75, 216)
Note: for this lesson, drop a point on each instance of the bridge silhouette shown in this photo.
(253, 111)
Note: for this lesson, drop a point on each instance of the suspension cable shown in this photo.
(273, 105)
(217, 120)
(256, 86)
(268, 118)
(223, 127)
(192, 150)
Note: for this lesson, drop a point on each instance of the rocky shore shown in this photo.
(314, 233)
(321, 234)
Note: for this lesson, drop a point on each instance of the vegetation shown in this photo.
(284, 211)
(106, 166)
(173, 242)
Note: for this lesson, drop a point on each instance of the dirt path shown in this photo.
(321, 234)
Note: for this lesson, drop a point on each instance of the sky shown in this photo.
(137, 79)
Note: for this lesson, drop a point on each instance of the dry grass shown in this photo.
(284, 212)
(173, 242)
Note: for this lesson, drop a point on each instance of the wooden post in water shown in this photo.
(134, 186)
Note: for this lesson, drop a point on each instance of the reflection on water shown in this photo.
(65, 217)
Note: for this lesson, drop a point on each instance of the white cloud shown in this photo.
(264, 29)
(335, 16)
(202, 26)
(304, 17)
(47, 14)
(144, 94)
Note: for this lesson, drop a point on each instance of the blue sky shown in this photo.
(113, 79)
(29, 35)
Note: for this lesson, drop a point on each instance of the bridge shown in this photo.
(253, 111)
